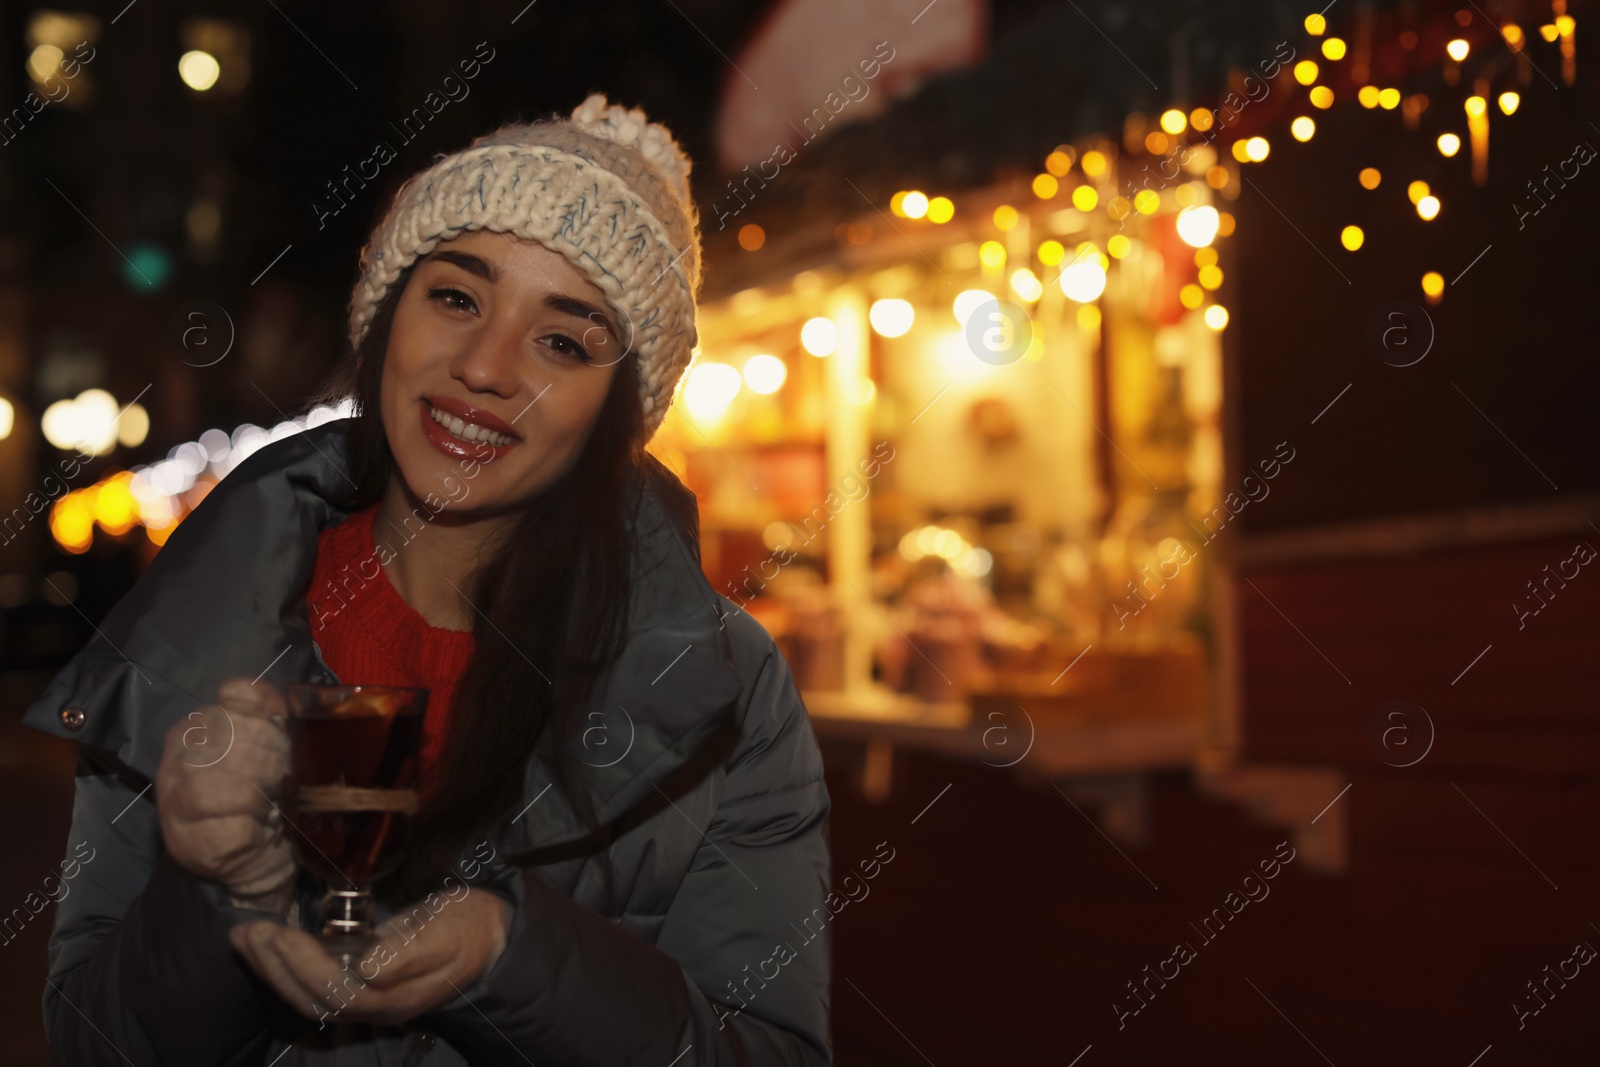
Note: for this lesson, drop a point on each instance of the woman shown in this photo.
(621, 847)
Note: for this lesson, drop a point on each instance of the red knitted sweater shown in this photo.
(368, 635)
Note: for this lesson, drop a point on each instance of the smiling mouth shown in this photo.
(470, 432)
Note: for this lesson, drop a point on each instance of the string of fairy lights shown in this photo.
(157, 496)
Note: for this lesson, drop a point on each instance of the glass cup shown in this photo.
(354, 758)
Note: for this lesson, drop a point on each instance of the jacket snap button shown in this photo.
(72, 717)
(427, 1041)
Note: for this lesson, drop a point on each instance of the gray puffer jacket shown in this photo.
(710, 944)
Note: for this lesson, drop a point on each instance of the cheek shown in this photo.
(575, 402)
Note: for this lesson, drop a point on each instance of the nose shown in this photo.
(485, 361)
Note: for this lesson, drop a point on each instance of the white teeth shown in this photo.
(469, 431)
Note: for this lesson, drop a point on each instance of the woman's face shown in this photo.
(499, 361)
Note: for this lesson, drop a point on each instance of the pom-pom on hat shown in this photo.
(606, 187)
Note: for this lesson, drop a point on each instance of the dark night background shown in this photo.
(1395, 541)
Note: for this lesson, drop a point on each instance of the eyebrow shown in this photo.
(483, 268)
(468, 262)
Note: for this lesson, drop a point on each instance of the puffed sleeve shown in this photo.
(733, 977)
(140, 966)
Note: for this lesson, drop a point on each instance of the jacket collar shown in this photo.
(226, 596)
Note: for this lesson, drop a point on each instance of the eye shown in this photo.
(566, 347)
(448, 296)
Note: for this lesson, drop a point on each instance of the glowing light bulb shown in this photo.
(1333, 48)
(1509, 102)
(1084, 280)
(1449, 144)
(1197, 226)
(765, 373)
(915, 204)
(1303, 128)
(709, 391)
(1352, 237)
(967, 301)
(891, 318)
(199, 70)
(1370, 177)
(1458, 49)
(1428, 207)
(819, 336)
(1026, 284)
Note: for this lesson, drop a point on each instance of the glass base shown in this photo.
(347, 932)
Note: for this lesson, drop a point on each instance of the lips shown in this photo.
(471, 432)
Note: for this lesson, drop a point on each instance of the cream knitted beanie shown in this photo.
(607, 188)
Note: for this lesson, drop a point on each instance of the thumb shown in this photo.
(259, 699)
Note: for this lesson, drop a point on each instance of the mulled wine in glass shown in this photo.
(354, 759)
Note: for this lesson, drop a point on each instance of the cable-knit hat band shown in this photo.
(619, 212)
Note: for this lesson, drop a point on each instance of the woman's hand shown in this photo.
(219, 770)
(417, 967)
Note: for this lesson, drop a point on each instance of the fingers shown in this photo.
(255, 699)
(300, 979)
(300, 970)
(410, 956)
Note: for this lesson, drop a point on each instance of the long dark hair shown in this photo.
(552, 596)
